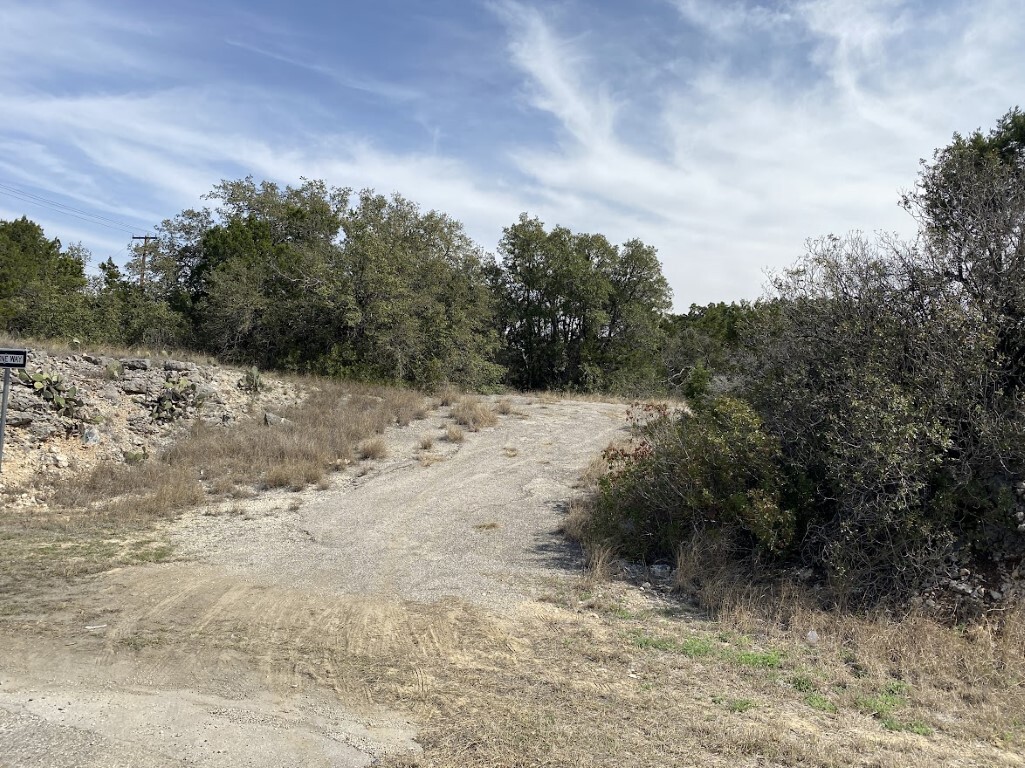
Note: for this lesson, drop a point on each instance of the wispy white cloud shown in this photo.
(726, 20)
(552, 64)
(808, 117)
(369, 85)
(762, 158)
(42, 43)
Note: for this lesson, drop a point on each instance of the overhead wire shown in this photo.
(68, 210)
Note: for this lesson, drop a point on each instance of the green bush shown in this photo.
(715, 468)
(886, 387)
(879, 422)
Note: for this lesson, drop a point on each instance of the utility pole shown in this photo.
(145, 247)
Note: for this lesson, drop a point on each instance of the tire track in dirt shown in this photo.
(266, 645)
(480, 525)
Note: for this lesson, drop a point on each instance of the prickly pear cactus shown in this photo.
(252, 382)
(52, 388)
(176, 398)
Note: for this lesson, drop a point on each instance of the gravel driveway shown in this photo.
(223, 657)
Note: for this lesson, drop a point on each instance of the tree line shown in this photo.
(325, 280)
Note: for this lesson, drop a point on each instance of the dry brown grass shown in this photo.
(334, 422)
(120, 502)
(454, 434)
(293, 474)
(449, 395)
(910, 673)
(504, 406)
(610, 677)
(66, 346)
(577, 514)
(601, 564)
(428, 459)
(595, 471)
(407, 405)
(473, 414)
(375, 448)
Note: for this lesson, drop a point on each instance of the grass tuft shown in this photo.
(694, 647)
(819, 702)
(473, 414)
(375, 448)
(758, 659)
(448, 395)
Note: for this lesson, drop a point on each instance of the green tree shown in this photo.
(310, 278)
(704, 349)
(122, 313)
(577, 312)
(970, 203)
(41, 284)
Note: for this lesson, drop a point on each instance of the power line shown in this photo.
(57, 204)
(68, 210)
(77, 213)
(66, 213)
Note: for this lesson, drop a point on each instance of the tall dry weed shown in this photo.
(473, 414)
(974, 673)
(335, 423)
(449, 395)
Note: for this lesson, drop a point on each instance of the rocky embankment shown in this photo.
(78, 409)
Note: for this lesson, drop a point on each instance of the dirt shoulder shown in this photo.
(477, 520)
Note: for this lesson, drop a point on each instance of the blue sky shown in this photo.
(723, 133)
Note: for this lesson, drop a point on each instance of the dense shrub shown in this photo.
(879, 423)
(884, 388)
(716, 468)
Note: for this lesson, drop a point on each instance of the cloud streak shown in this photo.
(764, 154)
(737, 132)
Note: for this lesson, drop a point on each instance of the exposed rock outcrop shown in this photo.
(119, 412)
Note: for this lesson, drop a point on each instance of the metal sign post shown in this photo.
(9, 358)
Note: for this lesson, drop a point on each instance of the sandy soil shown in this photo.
(258, 645)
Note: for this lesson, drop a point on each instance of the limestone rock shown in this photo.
(273, 420)
(138, 385)
(91, 436)
(179, 365)
(18, 418)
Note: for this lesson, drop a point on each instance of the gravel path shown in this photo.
(476, 520)
(230, 656)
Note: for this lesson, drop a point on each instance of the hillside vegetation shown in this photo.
(854, 441)
(866, 422)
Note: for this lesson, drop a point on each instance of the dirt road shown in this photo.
(269, 640)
